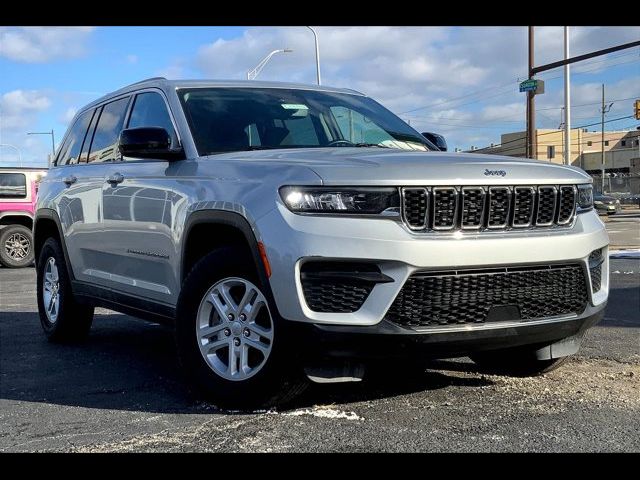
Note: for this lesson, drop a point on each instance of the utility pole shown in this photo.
(531, 112)
(567, 101)
(604, 110)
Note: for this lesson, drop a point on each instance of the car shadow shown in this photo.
(128, 364)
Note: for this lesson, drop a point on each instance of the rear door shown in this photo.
(140, 200)
(90, 247)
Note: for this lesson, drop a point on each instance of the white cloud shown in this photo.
(43, 44)
(17, 108)
(68, 115)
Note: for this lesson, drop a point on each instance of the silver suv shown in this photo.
(292, 233)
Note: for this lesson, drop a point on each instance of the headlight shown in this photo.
(585, 197)
(350, 200)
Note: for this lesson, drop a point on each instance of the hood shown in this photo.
(377, 166)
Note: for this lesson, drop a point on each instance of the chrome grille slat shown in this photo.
(452, 208)
(523, 206)
(499, 207)
(547, 201)
(415, 207)
(445, 208)
(473, 200)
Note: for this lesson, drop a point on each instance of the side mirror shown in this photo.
(148, 142)
(437, 139)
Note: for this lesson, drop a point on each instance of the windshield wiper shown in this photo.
(379, 145)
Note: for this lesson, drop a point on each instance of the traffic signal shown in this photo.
(637, 109)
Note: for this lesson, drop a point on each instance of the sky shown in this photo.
(461, 82)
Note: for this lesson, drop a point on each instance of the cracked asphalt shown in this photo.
(121, 391)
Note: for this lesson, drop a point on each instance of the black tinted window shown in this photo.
(70, 150)
(13, 185)
(149, 110)
(105, 138)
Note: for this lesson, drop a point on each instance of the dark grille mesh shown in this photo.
(546, 205)
(523, 206)
(450, 298)
(415, 206)
(335, 297)
(498, 206)
(444, 207)
(567, 204)
(596, 278)
(472, 207)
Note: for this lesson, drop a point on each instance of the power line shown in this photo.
(550, 133)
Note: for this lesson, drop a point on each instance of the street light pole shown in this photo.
(315, 36)
(567, 101)
(252, 74)
(53, 142)
(16, 149)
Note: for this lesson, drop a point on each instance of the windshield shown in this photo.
(236, 119)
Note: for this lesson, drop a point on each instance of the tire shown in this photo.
(515, 362)
(256, 379)
(16, 246)
(67, 320)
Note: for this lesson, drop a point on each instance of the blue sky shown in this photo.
(461, 82)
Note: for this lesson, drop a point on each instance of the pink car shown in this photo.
(18, 191)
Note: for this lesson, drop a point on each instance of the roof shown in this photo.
(161, 82)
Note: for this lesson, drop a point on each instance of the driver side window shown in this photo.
(357, 128)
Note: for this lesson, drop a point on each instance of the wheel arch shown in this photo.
(45, 225)
(16, 218)
(229, 226)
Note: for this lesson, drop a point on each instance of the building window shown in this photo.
(589, 143)
(623, 143)
(637, 142)
(551, 152)
(606, 143)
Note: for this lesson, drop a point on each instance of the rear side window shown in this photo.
(105, 138)
(150, 110)
(13, 185)
(70, 150)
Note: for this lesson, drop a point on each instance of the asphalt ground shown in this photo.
(122, 391)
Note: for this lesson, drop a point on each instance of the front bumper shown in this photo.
(386, 340)
(292, 239)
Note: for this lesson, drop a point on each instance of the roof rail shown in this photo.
(147, 80)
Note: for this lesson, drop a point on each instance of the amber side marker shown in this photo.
(265, 260)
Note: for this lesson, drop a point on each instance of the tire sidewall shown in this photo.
(5, 233)
(50, 249)
(257, 389)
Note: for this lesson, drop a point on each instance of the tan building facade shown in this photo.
(620, 147)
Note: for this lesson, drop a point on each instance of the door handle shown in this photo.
(115, 179)
(70, 180)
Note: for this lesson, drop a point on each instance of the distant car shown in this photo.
(18, 191)
(606, 204)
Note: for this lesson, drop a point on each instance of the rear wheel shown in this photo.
(63, 319)
(16, 246)
(229, 339)
(515, 362)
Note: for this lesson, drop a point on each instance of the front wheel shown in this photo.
(16, 246)
(229, 340)
(515, 362)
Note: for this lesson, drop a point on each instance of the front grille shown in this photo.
(482, 207)
(467, 297)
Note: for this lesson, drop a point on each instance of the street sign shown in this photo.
(532, 85)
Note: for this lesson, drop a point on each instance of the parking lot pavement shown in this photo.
(121, 391)
(623, 229)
